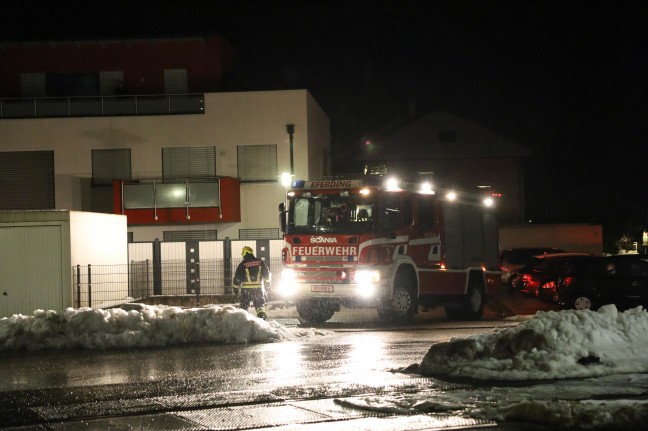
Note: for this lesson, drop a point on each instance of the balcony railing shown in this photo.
(100, 106)
(171, 194)
(199, 200)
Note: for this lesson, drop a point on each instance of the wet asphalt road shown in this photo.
(286, 385)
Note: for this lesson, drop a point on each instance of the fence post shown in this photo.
(227, 262)
(89, 285)
(157, 267)
(78, 277)
(148, 279)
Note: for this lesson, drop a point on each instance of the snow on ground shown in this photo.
(594, 364)
(565, 370)
(552, 345)
(139, 325)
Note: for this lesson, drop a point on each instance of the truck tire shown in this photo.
(404, 304)
(472, 306)
(314, 310)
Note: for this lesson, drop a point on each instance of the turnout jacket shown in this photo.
(251, 273)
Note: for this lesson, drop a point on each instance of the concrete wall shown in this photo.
(569, 237)
(98, 239)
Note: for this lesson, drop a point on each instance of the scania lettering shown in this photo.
(391, 246)
(322, 239)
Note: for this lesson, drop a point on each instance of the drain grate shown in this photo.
(333, 410)
(162, 422)
(248, 417)
(97, 409)
(216, 399)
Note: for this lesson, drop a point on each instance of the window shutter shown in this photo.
(188, 162)
(175, 81)
(190, 235)
(110, 82)
(27, 180)
(257, 163)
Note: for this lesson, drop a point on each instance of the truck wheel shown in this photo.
(404, 300)
(472, 307)
(315, 311)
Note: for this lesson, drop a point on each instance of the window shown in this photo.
(188, 162)
(110, 164)
(72, 84)
(267, 233)
(190, 235)
(111, 82)
(175, 81)
(257, 163)
(427, 218)
(32, 84)
(27, 180)
(390, 217)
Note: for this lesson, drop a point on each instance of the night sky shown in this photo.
(566, 79)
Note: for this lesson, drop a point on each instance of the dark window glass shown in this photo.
(72, 84)
(110, 164)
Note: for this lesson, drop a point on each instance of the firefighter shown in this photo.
(251, 274)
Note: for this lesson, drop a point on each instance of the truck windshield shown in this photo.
(331, 213)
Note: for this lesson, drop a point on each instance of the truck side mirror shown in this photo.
(282, 217)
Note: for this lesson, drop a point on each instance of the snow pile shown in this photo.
(563, 405)
(552, 345)
(590, 356)
(138, 325)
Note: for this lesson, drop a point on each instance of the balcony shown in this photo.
(103, 106)
(186, 201)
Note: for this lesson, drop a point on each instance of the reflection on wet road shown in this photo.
(63, 387)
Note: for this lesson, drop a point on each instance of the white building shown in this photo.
(68, 161)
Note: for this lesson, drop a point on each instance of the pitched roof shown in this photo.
(440, 135)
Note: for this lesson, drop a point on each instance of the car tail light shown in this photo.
(567, 281)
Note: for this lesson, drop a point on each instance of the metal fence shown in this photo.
(103, 286)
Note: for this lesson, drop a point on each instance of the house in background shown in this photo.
(137, 128)
(454, 153)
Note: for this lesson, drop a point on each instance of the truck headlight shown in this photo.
(287, 284)
(367, 277)
(366, 282)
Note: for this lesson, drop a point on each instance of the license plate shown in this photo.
(322, 288)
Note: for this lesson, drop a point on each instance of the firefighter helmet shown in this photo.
(246, 250)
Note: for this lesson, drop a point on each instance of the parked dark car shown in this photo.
(540, 276)
(620, 280)
(512, 259)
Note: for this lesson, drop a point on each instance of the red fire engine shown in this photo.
(394, 247)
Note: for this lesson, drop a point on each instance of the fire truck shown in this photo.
(375, 242)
